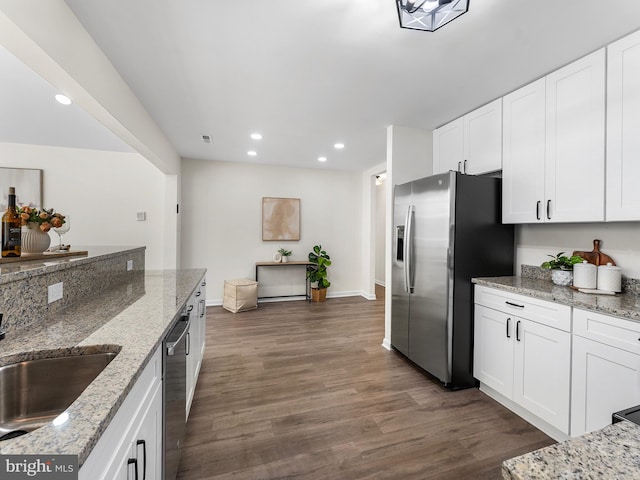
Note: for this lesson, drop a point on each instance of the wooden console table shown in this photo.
(307, 286)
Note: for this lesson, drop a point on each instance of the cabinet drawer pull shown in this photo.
(514, 304)
(465, 167)
(460, 166)
(538, 210)
(518, 330)
(508, 321)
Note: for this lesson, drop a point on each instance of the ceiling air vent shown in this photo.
(207, 139)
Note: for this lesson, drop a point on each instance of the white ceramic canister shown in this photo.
(585, 275)
(609, 278)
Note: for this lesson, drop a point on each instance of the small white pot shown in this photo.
(561, 277)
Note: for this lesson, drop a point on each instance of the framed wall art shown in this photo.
(28, 185)
(280, 219)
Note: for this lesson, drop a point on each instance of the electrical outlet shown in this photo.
(141, 216)
(55, 292)
(129, 265)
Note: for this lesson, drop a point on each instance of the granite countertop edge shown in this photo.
(624, 305)
(32, 267)
(135, 331)
(606, 454)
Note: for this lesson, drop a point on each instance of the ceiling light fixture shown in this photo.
(429, 15)
(252, 153)
(338, 146)
(63, 99)
(256, 136)
(322, 159)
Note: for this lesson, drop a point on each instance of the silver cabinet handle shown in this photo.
(518, 330)
(508, 321)
(465, 167)
(460, 167)
(549, 209)
(538, 210)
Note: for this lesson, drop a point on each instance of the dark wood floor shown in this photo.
(305, 391)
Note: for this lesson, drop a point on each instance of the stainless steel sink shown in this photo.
(34, 392)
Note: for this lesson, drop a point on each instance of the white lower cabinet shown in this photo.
(606, 369)
(197, 309)
(133, 440)
(523, 363)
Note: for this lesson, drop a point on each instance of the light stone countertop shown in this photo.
(133, 318)
(625, 305)
(612, 453)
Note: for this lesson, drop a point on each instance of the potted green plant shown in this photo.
(285, 254)
(317, 273)
(561, 268)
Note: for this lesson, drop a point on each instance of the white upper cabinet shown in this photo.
(483, 139)
(623, 127)
(471, 144)
(523, 154)
(448, 143)
(574, 166)
(554, 134)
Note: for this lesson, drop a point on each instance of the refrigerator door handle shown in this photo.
(408, 251)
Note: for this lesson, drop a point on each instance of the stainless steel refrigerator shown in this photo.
(447, 230)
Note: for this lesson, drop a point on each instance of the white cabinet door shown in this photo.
(542, 366)
(482, 129)
(605, 380)
(448, 147)
(523, 150)
(147, 446)
(623, 125)
(493, 349)
(575, 135)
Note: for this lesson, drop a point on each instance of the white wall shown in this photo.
(409, 157)
(101, 191)
(621, 241)
(381, 231)
(222, 231)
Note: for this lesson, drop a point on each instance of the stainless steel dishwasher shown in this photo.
(174, 395)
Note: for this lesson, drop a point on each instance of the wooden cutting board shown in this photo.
(595, 256)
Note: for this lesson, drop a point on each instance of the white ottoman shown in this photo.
(240, 295)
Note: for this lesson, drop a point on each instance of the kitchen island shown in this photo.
(130, 317)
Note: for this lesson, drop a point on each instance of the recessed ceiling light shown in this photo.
(256, 136)
(63, 99)
(322, 159)
(338, 146)
(252, 153)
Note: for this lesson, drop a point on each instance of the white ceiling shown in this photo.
(309, 74)
(30, 113)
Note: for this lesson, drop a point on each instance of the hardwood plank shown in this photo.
(306, 391)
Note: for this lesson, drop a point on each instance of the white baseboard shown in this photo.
(386, 343)
(217, 302)
(537, 422)
(380, 282)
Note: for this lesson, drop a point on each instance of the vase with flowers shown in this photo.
(36, 224)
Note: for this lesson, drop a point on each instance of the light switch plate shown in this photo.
(129, 265)
(54, 292)
(141, 216)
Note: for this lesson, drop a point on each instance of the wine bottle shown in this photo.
(11, 228)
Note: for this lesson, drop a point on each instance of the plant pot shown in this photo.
(33, 239)
(285, 259)
(318, 294)
(561, 277)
